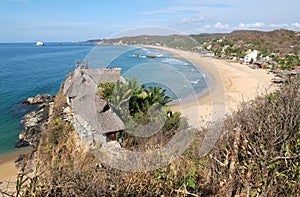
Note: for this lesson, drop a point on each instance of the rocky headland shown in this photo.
(35, 122)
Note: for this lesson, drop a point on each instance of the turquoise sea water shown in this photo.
(27, 70)
(179, 76)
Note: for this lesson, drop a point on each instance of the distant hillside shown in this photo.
(205, 37)
(281, 42)
(173, 41)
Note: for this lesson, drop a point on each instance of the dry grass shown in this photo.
(67, 170)
(258, 155)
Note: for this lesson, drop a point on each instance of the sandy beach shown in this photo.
(8, 170)
(232, 84)
(7, 166)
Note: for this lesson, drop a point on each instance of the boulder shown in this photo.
(22, 143)
(33, 124)
(39, 99)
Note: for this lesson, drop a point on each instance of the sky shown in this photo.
(79, 20)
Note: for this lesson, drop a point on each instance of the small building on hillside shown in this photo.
(91, 115)
(251, 56)
(206, 53)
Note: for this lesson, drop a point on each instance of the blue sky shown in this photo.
(77, 20)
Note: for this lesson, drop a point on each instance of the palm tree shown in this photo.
(119, 100)
(142, 104)
(145, 98)
(156, 95)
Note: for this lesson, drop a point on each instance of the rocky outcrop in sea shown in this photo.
(35, 122)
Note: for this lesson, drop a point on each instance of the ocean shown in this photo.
(27, 70)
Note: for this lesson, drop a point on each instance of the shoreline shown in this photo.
(207, 77)
(197, 94)
(7, 163)
(232, 83)
(229, 84)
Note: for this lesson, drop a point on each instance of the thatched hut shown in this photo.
(92, 116)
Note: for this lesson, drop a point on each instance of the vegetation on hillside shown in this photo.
(129, 100)
(287, 62)
(258, 154)
(174, 41)
(280, 46)
(140, 105)
(279, 42)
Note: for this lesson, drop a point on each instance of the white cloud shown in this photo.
(252, 25)
(285, 25)
(282, 25)
(195, 20)
(204, 29)
(296, 25)
(184, 8)
(221, 26)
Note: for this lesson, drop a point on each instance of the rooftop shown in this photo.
(81, 87)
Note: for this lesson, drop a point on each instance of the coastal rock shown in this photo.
(22, 143)
(35, 122)
(39, 99)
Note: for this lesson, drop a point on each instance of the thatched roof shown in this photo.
(82, 86)
(85, 81)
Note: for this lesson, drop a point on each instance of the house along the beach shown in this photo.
(91, 115)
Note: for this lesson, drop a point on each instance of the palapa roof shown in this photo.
(82, 87)
(82, 79)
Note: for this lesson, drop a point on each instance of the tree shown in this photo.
(157, 95)
(128, 100)
(105, 90)
(120, 97)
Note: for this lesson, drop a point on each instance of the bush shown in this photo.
(106, 89)
(259, 152)
(257, 155)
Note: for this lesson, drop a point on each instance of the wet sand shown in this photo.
(232, 84)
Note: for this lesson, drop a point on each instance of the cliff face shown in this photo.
(56, 142)
(35, 122)
(60, 154)
(62, 167)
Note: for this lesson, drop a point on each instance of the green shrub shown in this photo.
(106, 89)
(259, 153)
